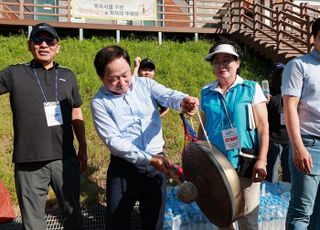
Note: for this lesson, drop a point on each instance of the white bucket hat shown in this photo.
(223, 48)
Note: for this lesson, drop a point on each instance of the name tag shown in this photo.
(231, 138)
(53, 113)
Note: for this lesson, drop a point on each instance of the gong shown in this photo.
(220, 196)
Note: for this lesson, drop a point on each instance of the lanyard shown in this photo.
(56, 84)
(226, 110)
(224, 103)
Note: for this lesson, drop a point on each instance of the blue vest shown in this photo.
(236, 100)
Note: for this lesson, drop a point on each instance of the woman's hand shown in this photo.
(259, 171)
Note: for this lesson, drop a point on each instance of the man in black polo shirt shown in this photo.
(45, 103)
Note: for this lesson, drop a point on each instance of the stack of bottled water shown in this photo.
(181, 216)
(274, 201)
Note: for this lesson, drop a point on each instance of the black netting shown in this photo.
(94, 219)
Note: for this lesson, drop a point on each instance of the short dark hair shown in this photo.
(107, 55)
(315, 27)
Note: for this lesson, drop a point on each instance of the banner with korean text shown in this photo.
(115, 9)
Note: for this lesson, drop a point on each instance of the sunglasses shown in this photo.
(49, 41)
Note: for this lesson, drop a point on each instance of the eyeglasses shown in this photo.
(224, 63)
(49, 41)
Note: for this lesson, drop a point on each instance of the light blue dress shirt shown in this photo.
(130, 124)
(300, 78)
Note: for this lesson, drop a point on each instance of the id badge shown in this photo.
(53, 113)
(282, 122)
(231, 138)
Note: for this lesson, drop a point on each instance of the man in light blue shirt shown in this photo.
(126, 117)
(301, 97)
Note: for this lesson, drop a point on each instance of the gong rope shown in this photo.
(203, 129)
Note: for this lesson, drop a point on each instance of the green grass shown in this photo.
(179, 66)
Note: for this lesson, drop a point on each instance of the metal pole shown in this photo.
(29, 31)
(118, 36)
(160, 37)
(80, 34)
(196, 37)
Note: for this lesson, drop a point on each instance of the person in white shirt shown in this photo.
(126, 117)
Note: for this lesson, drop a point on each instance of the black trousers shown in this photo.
(127, 184)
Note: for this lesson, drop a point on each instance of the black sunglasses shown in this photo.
(48, 40)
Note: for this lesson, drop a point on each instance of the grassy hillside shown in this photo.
(179, 66)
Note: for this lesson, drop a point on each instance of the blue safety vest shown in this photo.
(236, 101)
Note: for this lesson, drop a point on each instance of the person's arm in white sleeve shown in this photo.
(174, 99)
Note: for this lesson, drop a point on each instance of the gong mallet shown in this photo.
(187, 191)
